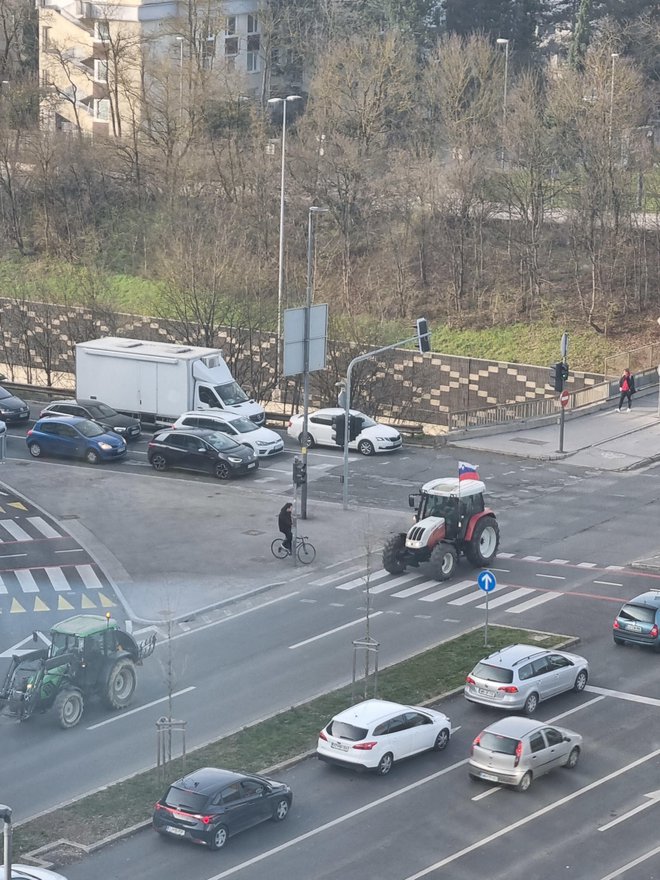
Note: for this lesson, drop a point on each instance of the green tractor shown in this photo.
(88, 656)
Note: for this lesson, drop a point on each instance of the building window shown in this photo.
(231, 47)
(100, 70)
(230, 25)
(252, 24)
(45, 38)
(102, 109)
(252, 53)
(102, 31)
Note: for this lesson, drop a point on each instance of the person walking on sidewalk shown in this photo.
(627, 389)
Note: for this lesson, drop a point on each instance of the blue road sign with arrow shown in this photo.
(487, 581)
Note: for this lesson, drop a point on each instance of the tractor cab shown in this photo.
(444, 506)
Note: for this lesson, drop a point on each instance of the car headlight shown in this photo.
(121, 430)
(105, 447)
(236, 460)
(262, 443)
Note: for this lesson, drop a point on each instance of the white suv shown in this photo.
(521, 676)
(262, 441)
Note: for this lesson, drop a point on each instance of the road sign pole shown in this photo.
(562, 417)
(486, 626)
(563, 348)
(487, 582)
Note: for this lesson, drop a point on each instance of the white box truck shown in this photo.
(158, 381)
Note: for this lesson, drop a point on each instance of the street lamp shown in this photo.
(180, 42)
(280, 278)
(502, 42)
(615, 55)
(5, 816)
(308, 306)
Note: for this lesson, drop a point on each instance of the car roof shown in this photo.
(206, 780)
(334, 411)
(65, 420)
(514, 726)
(196, 432)
(651, 599)
(514, 655)
(83, 625)
(370, 712)
(209, 413)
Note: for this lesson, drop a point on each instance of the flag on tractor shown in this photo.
(467, 471)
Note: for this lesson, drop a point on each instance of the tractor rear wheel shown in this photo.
(69, 705)
(120, 684)
(394, 554)
(482, 547)
(444, 561)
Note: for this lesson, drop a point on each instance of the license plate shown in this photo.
(488, 777)
(485, 692)
(340, 746)
(254, 464)
(178, 832)
(633, 627)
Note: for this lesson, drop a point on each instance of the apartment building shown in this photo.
(107, 68)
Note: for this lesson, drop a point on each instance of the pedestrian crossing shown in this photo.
(30, 528)
(53, 588)
(513, 599)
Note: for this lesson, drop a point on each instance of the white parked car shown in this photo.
(374, 734)
(262, 441)
(27, 872)
(373, 437)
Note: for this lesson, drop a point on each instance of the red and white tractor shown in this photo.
(450, 519)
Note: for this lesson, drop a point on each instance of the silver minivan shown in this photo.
(515, 750)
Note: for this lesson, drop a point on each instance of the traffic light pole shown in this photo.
(562, 412)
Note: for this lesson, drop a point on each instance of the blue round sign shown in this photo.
(487, 581)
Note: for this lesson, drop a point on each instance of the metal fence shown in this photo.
(637, 360)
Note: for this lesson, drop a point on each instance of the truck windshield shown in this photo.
(439, 505)
(231, 393)
(61, 644)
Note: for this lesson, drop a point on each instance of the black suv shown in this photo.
(199, 449)
(210, 805)
(98, 412)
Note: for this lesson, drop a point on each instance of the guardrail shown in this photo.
(637, 360)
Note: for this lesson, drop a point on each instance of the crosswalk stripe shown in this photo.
(26, 580)
(42, 526)
(359, 582)
(508, 597)
(474, 596)
(447, 591)
(333, 577)
(57, 578)
(382, 588)
(89, 577)
(412, 591)
(532, 603)
(15, 530)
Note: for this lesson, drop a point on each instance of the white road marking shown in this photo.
(42, 526)
(505, 555)
(359, 582)
(638, 861)
(23, 646)
(71, 550)
(15, 530)
(586, 565)
(508, 597)
(531, 558)
(503, 570)
(554, 577)
(623, 695)
(3, 588)
(559, 562)
(653, 796)
(89, 577)
(140, 708)
(448, 591)
(412, 591)
(334, 577)
(229, 617)
(532, 603)
(387, 585)
(615, 567)
(11, 555)
(330, 632)
(57, 578)
(608, 583)
(26, 580)
(475, 596)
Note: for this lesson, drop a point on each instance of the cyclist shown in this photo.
(285, 524)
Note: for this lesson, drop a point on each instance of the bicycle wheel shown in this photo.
(306, 552)
(278, 549)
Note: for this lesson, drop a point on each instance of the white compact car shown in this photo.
(373, 437)
(262, 441)
(374, 734)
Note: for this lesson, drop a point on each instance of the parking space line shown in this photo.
(623, 695)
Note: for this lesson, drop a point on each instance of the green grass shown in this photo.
(280, 738)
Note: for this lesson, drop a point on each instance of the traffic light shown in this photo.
(423, 335)
(339, 429)
(299, 472)
(354, 427)
(558, 375)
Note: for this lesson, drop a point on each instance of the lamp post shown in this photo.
(180, 42)
(615, 55)
(280, 277)
(5, 816)
(308, 305)
(501, 41)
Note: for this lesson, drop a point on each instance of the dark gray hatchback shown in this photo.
(210, 805)
(638, 622)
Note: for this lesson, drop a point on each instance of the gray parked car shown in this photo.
(515, 750)
(521, 676)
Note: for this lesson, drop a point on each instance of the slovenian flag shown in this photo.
(467, 471)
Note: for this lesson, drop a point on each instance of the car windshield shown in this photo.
(222, 442)
(342, 730)
(4, 394)
(100, 410)
(186, 800)
(493, 673)
(230, 393)
(244, 426)
(366, 421)
(89, 429)
(505, 745)
(640, 613)
(439, 505)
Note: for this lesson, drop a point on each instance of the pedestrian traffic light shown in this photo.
(339, 429)
(299, 472)
(423, 335)
(354, 427)
(558, 374)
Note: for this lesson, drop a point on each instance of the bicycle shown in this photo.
(305, 551)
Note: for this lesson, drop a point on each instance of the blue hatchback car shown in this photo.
(74, 437)
(638, 622)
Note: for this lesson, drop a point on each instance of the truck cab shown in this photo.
(228, 396)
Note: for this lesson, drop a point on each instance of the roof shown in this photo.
(370, 711)
(651, 598)
(83, 625)
(207, 780)
(451, 486)
(145, 349)
(64, 418)
(220, 414)
(515, 726)
(512, 655)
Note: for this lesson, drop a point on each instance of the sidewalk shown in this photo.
(607, 440)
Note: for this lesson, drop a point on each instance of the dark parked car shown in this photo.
(210, 805)
(199, 449)
(638, 622)
(105, 415)
(12, 408)
(74, 437)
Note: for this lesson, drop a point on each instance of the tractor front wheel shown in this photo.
(482, 547)
(69, 706)
(120, 684)
(444, 561)
(394, 554)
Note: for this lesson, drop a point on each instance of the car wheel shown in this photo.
(531, 704)
(310, 440)
(35, 450)
(441, 740)
(366, 447)
(222, 470)
(281, 810)
(525, 782)
(218, 837)
(580, 681)
(159, 463)
(385, 764)
(92, 456)
(573, 757)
